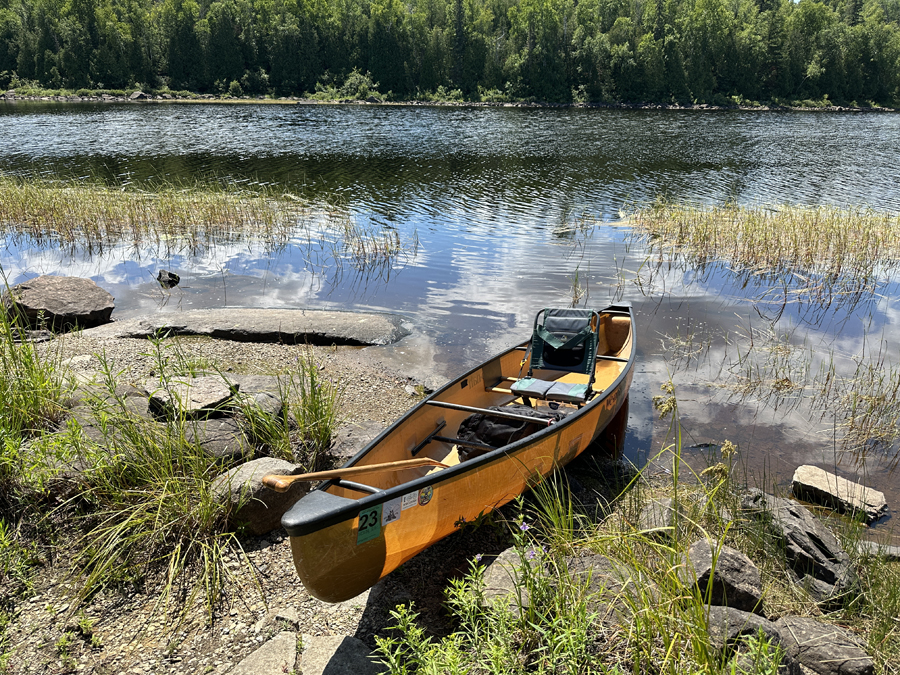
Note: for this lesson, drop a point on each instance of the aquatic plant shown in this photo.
(822, 255)
(91, 216)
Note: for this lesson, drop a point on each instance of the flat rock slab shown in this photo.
(821, 487)
(334, 654)
(823, 648)
(60, 302)
(873, 548)
(192, 397)
(291, 326)
(275, 657)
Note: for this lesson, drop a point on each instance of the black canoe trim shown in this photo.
(307, 516)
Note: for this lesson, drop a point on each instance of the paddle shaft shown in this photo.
(282, 483)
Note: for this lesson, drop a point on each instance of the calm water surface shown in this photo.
(488, 203)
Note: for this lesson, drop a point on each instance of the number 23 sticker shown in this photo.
(369, 524)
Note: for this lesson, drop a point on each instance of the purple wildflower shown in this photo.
(478, 557)
(524, 527)
(531, 555)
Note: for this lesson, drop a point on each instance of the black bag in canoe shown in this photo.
(499, 431)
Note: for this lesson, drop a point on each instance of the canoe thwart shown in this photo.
(465, 444)
(359, 487)
(430, 437)
(491, 413)
(282, 483)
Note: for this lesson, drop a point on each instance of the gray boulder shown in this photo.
(275, 657)
(138, 96)
(59, 302)
(723, 575)
(873, 548)
(501, 577)
(253, 504)
(125, 399)
(660, 517)
(824, 648)
(728, 625)
(350, 439)
(614, 590)
(264, 392)
(816, 485)
(338, 655)
(730, 629)
(221, 438)
(811, 549)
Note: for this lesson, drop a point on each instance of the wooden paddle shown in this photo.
(282, 483)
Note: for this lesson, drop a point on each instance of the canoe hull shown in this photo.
(341, 559)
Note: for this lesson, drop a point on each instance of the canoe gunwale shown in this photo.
(299, 526)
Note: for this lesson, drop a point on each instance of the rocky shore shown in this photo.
(141, 97)
(647, 546)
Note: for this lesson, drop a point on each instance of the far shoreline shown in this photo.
(11, 97)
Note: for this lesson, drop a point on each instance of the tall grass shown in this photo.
(33, 390)
(94, 216)
(148, 507)
(315, 407)
(143, 512)
(822, 252)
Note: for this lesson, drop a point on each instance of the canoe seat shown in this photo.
(564, 392)
(567, 340)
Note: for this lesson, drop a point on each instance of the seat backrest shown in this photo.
(565, 339)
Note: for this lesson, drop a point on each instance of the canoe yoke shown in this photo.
(567, 340)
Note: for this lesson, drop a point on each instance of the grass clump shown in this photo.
(824, 250)
(315, 407)
(126, 497)
(147, 505)
(32, 387)
(95, 216)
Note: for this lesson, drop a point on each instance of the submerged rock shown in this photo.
(167, 279)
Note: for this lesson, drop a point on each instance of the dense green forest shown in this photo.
(718, 51)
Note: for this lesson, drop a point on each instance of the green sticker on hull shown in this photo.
(369, 526)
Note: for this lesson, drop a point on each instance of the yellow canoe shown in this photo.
(348, 534)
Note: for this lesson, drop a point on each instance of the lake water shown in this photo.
(488, 203)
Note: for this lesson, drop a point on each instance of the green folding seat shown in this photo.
(563, 340)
